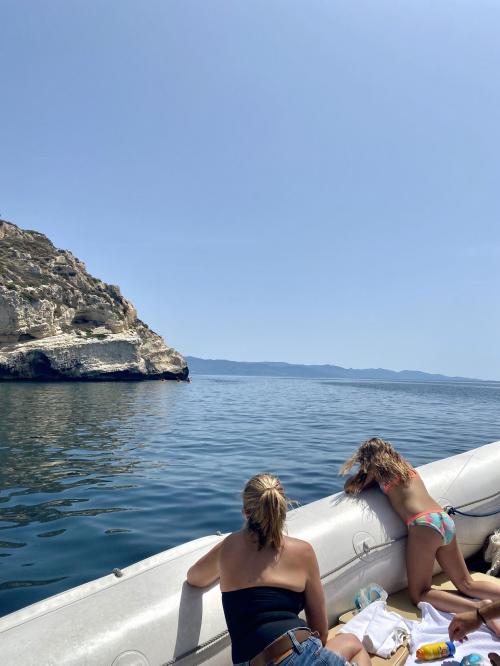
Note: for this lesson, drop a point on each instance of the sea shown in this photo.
(96, 475)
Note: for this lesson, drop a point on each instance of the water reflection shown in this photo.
(11, 544)
(16, 584)
(45, 512)
(71, 454)
(58, 437)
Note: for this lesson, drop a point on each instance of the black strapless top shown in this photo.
(256, 616)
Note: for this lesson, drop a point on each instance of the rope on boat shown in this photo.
(483, 499)
(366, 550)
(199, 648)
(452, 510)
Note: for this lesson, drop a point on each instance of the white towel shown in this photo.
(434, 629)
(381, 631)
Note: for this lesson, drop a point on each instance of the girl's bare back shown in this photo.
(411, 498)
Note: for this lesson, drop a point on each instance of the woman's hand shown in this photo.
(355, 484)
(462, 624)
(352, 486)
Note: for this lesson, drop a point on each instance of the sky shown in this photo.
(310, 182)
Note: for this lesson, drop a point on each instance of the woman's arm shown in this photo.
(315, 606)
(205, 571)
(464, 623)
(355, 484)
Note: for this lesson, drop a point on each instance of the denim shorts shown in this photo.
(309, 653)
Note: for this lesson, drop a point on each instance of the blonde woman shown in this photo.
(267, 579)
(431, 531)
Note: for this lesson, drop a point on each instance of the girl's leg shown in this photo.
(452, 562)
(350, 647)
(424, 544)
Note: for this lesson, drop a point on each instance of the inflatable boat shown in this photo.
(147, 615)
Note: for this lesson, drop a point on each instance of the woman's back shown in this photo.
(243, 564)
(263, 589)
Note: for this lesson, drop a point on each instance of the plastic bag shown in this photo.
(366, 595)
(475, 660)
(492, 553)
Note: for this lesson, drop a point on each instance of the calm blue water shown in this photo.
(96, 476)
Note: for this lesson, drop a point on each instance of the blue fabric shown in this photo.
(309, 653)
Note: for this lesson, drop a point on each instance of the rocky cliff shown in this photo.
(59, 322)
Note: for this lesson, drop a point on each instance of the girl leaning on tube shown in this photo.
(266, 580)
(431, 531)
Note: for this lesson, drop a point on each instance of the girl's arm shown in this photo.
(315, 606)
(355, 484)
(206, 571)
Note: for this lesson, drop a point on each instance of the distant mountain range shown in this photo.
(204, 366)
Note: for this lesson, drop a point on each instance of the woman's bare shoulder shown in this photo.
(233, 541)
(299, 546)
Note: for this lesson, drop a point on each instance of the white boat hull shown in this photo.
(151, 617)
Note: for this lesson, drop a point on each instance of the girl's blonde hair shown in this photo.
(380, 457)
(265, 505)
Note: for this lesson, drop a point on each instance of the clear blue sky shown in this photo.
(312, 182)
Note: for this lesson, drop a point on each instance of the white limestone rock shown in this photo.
(59, 322)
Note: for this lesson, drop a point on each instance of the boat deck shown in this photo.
(399, 602)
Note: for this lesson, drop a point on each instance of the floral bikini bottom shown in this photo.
(436, 520)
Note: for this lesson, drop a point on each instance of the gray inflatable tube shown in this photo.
(150, 616)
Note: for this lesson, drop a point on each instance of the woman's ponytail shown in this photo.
(265, 505)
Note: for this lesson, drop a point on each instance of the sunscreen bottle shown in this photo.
(436, 651)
